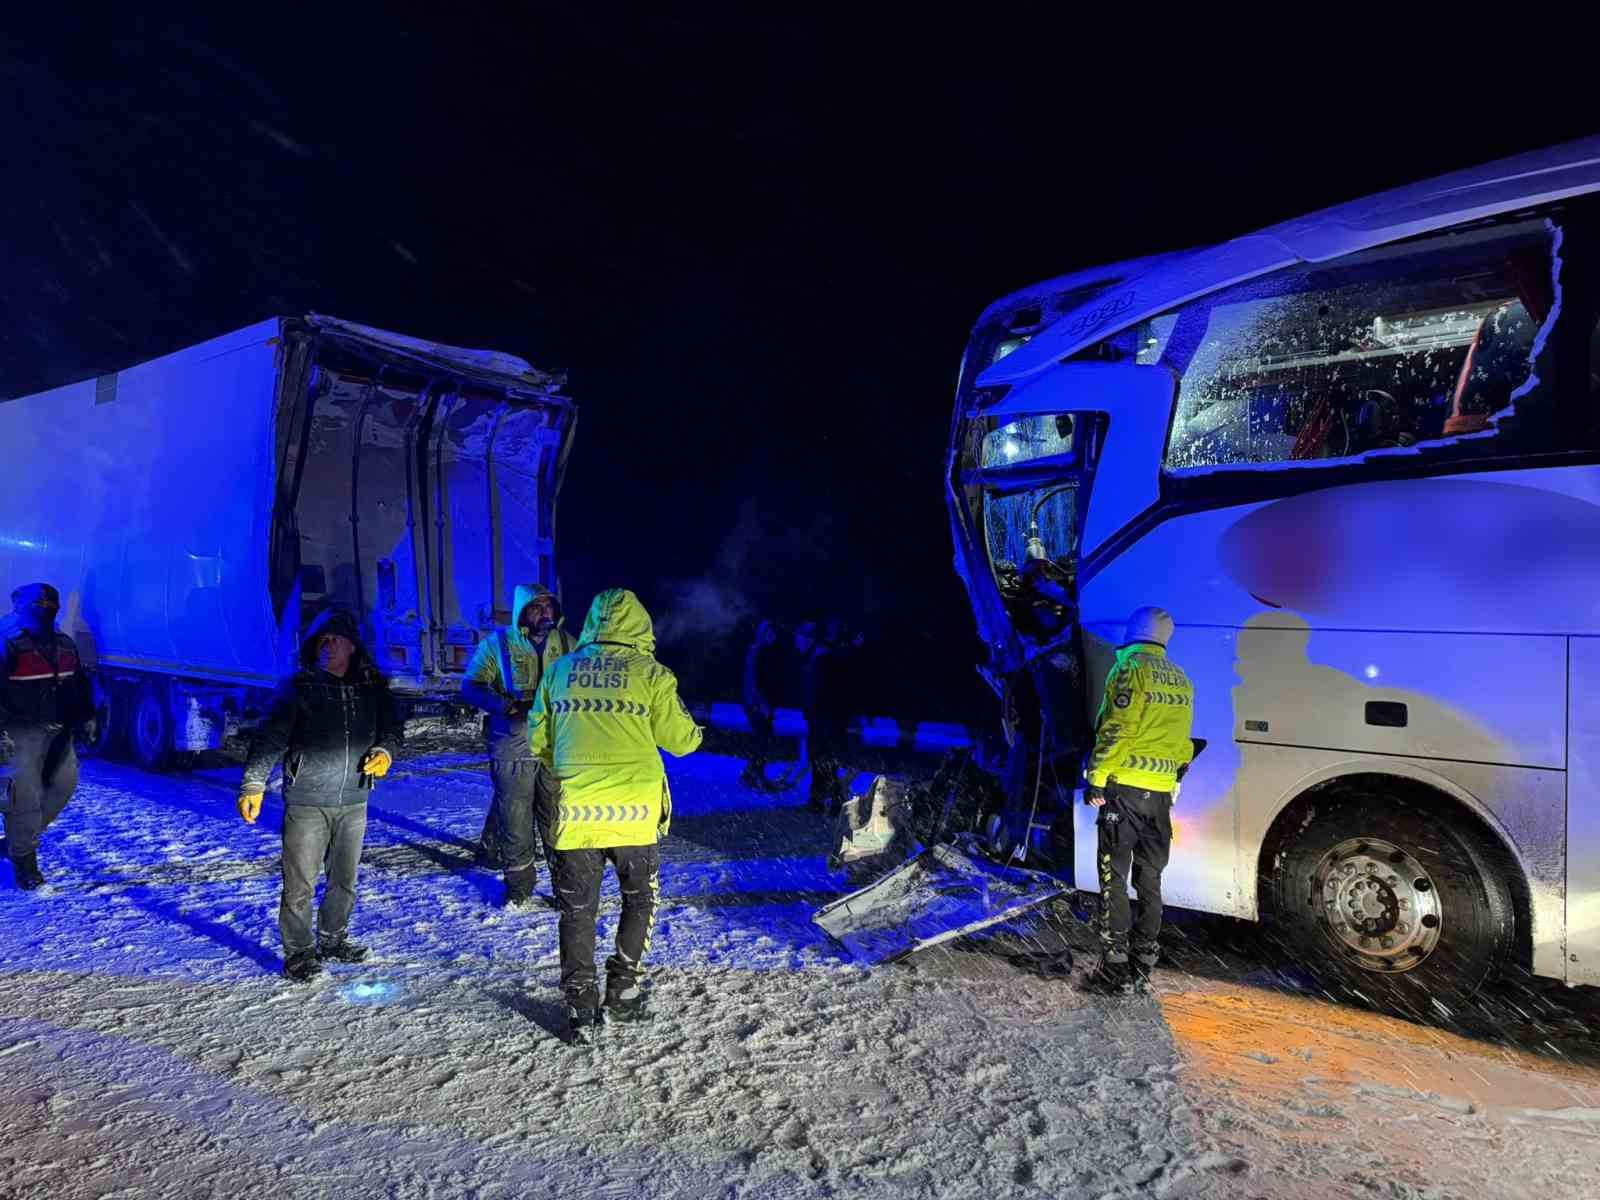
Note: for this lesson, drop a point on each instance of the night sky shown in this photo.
(756, 243)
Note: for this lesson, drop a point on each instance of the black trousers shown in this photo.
(577, 875)
(825, 749)
(762, 749)
(512, 828)
(1135, 836)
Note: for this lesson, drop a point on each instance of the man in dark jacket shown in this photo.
(501, 679)
(758, 686)
(825, 672)
(335, 728)
(45, 698)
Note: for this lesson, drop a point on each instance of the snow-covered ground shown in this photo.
(148, 1048)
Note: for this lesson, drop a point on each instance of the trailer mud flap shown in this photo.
(944, 893)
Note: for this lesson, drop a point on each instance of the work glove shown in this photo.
(377, 762)
(250, 796)
(518, 710)
(1094, 797)
(89, 731)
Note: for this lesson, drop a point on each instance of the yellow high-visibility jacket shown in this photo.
(597, 721)
(1142, 732)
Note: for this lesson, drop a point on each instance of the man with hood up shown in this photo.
(45, 697)
(501, 679)
(600, 718)
(335, 728)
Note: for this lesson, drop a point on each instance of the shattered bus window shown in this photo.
(1007, 520)
(1407, 347)
(1027, 439)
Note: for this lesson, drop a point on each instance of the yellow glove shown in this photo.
(377, 763)
(250, 803)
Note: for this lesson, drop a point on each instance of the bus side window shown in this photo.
(1415, 345)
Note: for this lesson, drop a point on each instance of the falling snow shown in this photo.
(147, 1046)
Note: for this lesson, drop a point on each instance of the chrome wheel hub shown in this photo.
(1378, 904)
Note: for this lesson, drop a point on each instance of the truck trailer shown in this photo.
(197, 511)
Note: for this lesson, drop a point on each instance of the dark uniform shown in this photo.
(45, 699)
(758, 685)
(1142, 747)
(334, 735)
(827, 705)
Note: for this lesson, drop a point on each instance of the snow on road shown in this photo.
(148, 1048)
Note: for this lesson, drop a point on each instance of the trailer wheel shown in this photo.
(1392, 901)
(110, 703)
(150, 728)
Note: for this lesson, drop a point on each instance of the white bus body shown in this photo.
(1356, 456)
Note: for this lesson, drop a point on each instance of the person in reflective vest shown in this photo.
(599, 721)
(501, 679)
(1141, 750)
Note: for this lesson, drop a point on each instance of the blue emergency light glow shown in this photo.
(369, 993)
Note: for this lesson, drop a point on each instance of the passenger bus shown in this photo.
(1357, 456)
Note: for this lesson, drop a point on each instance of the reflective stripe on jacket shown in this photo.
(600, 719)
(506, 667)
(1142, 732)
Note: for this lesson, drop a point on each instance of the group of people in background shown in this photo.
(574, 728)
(816, 668)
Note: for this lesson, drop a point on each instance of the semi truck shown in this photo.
(197, 511)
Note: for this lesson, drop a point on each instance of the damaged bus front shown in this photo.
(1355, 456)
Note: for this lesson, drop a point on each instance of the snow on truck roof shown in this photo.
(487, 366)
(1135, 290)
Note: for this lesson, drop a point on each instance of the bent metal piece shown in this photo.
(946, 892)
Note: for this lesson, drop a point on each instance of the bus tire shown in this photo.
(1393, 900)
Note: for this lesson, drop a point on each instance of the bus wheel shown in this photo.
(1393, 902)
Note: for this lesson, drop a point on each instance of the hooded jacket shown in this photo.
(599, 721)
(321, 726)
(505, 698)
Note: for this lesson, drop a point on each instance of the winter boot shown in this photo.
(343, 950)
(27, 872)
(1143, 964)
(302, 967)
(1110, 978)
(519, 899)
(487, 855)
(584, 1025)
(625, 1003)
